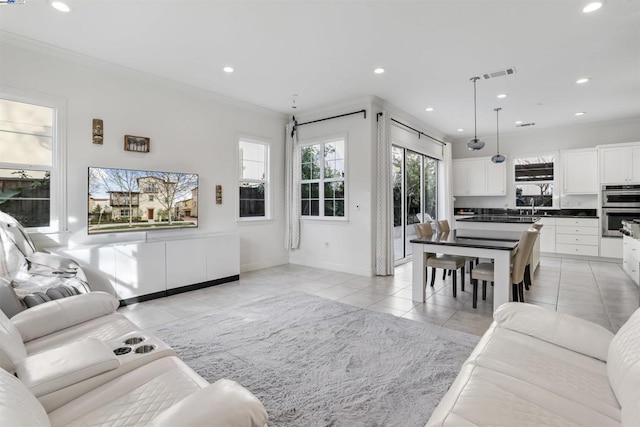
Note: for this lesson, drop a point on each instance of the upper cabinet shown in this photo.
(479, 177)
(580, 171)
(620, 165)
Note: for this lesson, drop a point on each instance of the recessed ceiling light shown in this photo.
(502, 95)
(61, 6)
(429, 109)
(519, 122)
(582, 80)
(228, 69)
(592, 7)
(580, 113)
(460, 130)
(379, 70)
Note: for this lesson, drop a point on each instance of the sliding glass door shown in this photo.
(414, 179)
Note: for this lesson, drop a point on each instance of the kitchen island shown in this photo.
(507, 227)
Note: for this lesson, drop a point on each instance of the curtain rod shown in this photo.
(333, 117)
(416, 130)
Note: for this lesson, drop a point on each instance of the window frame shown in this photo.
(266, 181)
(58, 196)
(555, 187)
(321, 182)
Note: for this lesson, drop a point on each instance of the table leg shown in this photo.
(502, 278)
(419, 274)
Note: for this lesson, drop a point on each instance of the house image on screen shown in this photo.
(147, 204)
(188, 207)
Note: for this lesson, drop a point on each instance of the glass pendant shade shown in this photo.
(497, 158)
(475, 144)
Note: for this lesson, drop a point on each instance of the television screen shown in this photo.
(136, 200)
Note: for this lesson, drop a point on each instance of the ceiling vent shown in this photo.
(524, 125)
(506, 72)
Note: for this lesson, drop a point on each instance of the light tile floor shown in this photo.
(593, 290)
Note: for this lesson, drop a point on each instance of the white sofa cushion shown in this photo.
(104, 328)
(132, 399)
(624, 369)
(560, 329)
(56, 315)
(12, 348)
(483, 397)
(224, 403)
(569, 374)
(63, 366)
(18, 407)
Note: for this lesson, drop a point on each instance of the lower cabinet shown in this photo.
(134, 270)
(548, 235)
(631, 258)
(577, 236)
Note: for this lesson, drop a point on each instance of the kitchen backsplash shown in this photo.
(539, 211)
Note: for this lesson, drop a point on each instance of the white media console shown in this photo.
(138, 271)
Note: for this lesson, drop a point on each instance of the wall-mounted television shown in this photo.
(138, 200)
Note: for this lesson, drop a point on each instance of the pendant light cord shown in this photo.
(475, 109)
(497, 130)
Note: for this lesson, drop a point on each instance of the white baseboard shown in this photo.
(331, 266)
(273, 262)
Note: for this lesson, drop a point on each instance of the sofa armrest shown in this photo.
(224, 403)
(63, 366)
(560, 329)
(53, 316)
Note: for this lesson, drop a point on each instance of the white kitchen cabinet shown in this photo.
(580, 171)
(548, 235)
(577, 236)
(479, 177)
(631, 258)
(620, 164)
(140, 269)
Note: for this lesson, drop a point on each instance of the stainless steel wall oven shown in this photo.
(619, 203)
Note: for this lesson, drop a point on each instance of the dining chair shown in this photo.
(443, 226)
(445, 262)
(528, 282)
(519, 259)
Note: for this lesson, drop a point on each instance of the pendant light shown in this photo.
(497, 158)
(475, 144)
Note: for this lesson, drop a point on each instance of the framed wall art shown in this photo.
(139, 144)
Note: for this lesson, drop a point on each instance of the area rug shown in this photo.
(317, 362)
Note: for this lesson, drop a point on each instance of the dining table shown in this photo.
(500, 251)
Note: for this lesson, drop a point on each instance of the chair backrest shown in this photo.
(522, 254)
(536, 226)
(443, 226)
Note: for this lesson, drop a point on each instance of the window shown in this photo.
(322, 173)
(254, 179)
(534, 181)
(28, 163)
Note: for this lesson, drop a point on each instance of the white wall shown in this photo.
(191, 131)
(342, 245)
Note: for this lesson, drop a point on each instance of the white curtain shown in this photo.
(384, 197)
(292, 189)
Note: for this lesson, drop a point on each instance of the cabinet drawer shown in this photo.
(577, 222)
(590, 231)
(577, 239)
(563, 248)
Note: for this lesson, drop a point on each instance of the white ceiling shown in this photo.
(325, 51)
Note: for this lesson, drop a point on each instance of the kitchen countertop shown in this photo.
(501, 218)
(542, 212)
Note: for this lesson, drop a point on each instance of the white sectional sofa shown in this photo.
(537, 367)
(68, 372)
